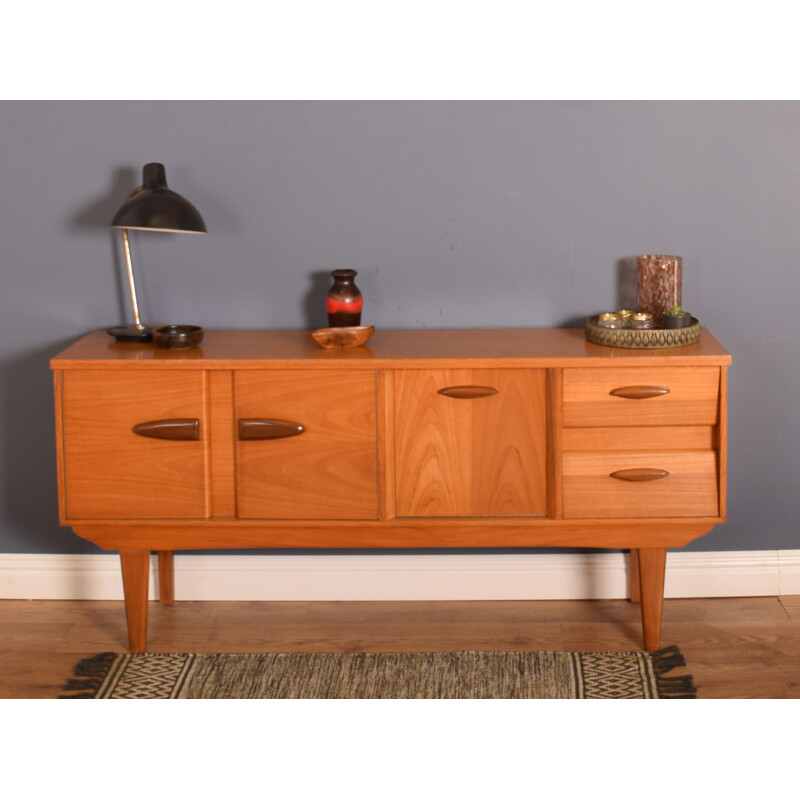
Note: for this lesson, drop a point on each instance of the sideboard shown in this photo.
(419, 439)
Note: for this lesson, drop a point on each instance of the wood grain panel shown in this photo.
(221, 443)
(330, 471)
(400, 533)
(386, 457)
(693, 396)
(690, 489)
(555, 443)
(415, 349)
(58, 397)
(690, 437)
(484, 456)
(722, 442)
(112, 473)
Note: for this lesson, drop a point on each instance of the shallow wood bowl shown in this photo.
(343, 337)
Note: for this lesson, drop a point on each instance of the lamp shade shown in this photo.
(155, 207)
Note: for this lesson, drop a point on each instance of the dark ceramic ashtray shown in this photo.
(178, 337)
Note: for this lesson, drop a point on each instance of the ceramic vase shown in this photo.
(344, 301)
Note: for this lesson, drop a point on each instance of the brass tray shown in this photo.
(649, 339)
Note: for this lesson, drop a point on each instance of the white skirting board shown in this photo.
(543, 576)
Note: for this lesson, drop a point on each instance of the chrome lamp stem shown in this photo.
(131, 283)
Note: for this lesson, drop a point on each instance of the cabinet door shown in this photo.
(470, 442)
(113, 472)
(306, 444)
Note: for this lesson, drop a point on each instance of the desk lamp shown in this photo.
(151, 207)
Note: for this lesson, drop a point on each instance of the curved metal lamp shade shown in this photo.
(151, 207)
(155, 207)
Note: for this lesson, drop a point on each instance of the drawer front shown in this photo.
(112, 471)
(636, 484)
(599, 397)
(470, 442)
(306, 445)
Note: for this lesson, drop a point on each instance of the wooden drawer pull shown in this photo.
(639, 392)
(468, 392)
(639, 474)
(252, 429)
(187, 430)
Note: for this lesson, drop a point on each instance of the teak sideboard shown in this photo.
(419, 439)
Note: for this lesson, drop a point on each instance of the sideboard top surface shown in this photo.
(295, 349)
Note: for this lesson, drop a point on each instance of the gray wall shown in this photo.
(455, 214)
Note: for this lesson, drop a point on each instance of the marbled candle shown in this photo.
(659, 284)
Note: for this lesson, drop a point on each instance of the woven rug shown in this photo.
(459, 675)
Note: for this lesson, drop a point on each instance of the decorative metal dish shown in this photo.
(343, 337)
(639, 338)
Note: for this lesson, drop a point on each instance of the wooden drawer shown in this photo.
(641, 396)
(689, 489)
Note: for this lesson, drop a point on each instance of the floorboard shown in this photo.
(735, 647)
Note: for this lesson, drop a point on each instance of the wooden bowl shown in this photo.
(178, 337)
(343, 337)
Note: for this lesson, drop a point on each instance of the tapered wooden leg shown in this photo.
(135, 582)
(652, 564)
(633, 566)
(166, 577)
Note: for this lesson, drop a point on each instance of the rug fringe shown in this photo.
(89, 676)
(674, 687)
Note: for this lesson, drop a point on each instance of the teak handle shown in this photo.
(468, 392)
(186, 430)
(253, 429)
(639, 474)
(639, 392)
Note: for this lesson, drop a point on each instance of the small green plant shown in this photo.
(675, 311)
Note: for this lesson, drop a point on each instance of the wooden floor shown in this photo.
(734, 648)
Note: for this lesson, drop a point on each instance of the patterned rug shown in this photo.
(459, 675)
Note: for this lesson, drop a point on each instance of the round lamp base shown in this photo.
(132, 333)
